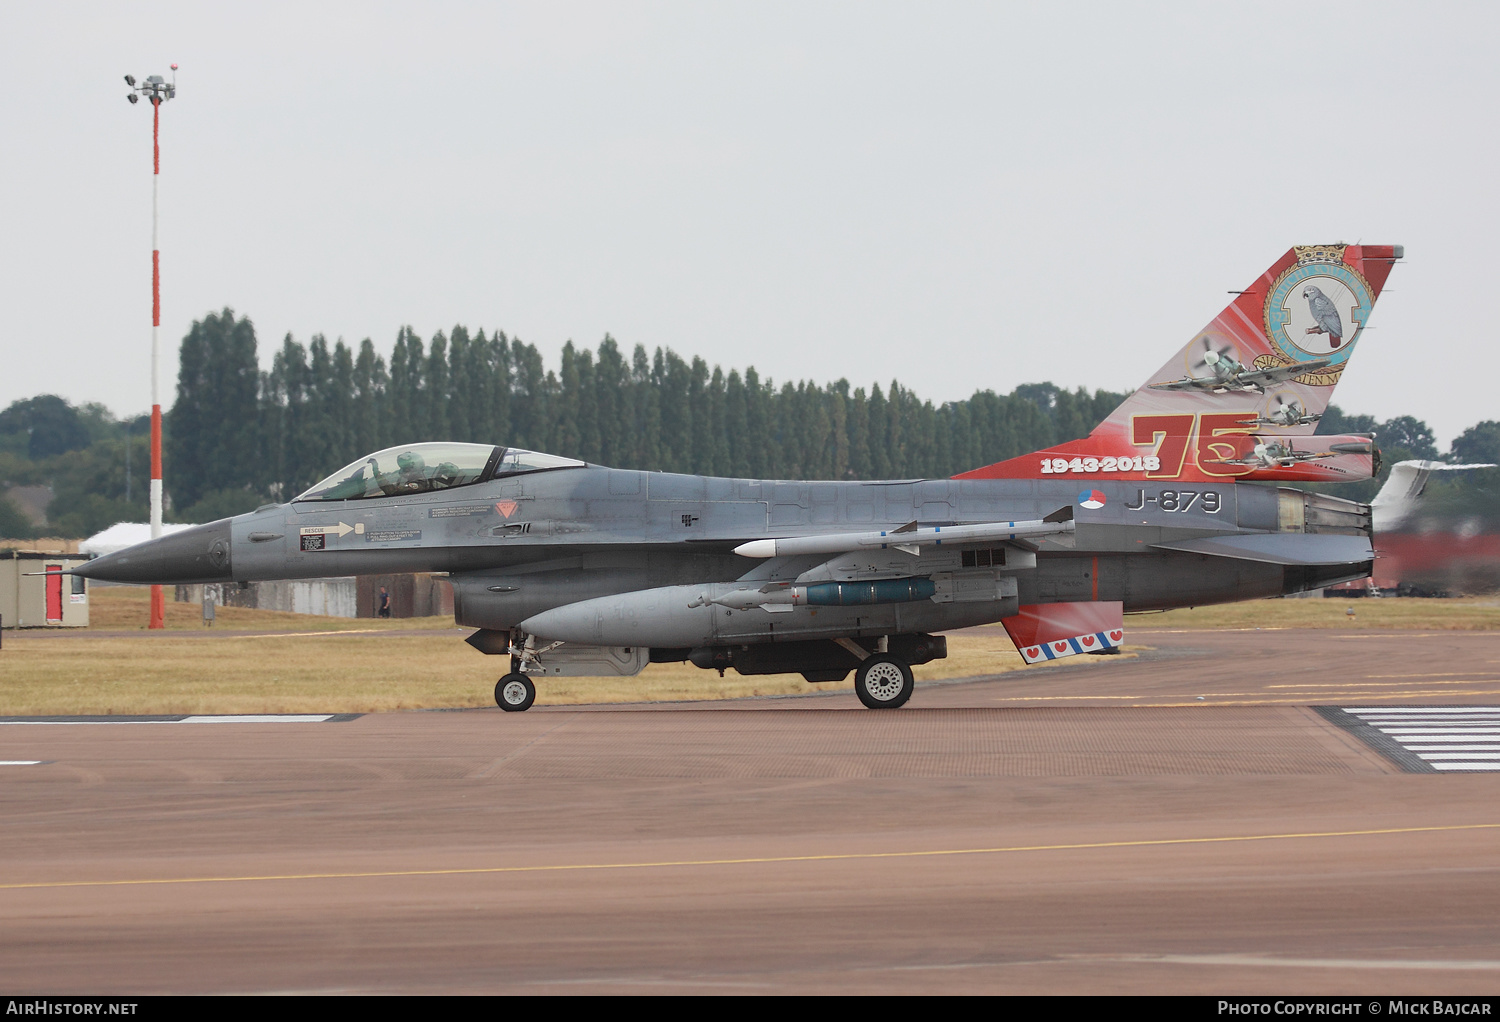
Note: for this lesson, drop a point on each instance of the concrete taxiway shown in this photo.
(1187, 820)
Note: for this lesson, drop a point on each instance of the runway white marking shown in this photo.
(20, 762)
(260, 718)
(1453, 748)
(1445, 737)
(1421, 710)
(1412, 718)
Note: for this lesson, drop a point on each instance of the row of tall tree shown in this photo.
(238, 435)
(274, 432)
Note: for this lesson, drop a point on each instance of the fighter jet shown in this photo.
(571, 569)
(1229, 374)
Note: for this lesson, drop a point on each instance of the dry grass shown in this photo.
(343, 673)
(128, 608)
(338, 665)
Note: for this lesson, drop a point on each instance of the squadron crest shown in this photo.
(1314, 313)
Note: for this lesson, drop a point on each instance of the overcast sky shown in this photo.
(958, 196)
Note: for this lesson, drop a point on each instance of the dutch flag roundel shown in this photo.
(1091, 499)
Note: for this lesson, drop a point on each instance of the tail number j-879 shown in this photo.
(1207, 501)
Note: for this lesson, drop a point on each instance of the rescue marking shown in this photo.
(757, 860)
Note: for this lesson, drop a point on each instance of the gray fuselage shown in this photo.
(518, 546)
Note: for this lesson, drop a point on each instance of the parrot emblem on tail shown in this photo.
(1326, 314)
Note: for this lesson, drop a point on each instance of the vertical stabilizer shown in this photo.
(1243, 397)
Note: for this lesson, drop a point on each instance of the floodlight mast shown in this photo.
(158, 91)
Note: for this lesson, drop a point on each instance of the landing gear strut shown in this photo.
(883, 682)
(514, 693)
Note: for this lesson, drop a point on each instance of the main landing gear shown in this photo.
(515, 692)
(883, 682)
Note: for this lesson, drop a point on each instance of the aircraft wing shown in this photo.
(1280, 374)
(1190, 383)
(1281, 548)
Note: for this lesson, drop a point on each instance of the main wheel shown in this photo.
(883, 682)
(514, 693)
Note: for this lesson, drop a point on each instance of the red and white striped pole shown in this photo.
(158, 597)
(158, 92)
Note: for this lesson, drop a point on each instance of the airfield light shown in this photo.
(158, 90)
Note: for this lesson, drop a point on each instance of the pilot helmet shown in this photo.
(410, 461)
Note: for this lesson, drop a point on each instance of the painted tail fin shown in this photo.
(1243, 397)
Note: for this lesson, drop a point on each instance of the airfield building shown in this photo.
(46, 599)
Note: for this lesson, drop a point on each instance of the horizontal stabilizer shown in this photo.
(1050, 631)
(1281, 548)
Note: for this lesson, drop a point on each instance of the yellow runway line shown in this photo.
(301, 635)
(1445, 674)
(761, 860)
(1389, 684)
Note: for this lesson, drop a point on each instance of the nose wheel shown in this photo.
(883, 682)
(514, 693)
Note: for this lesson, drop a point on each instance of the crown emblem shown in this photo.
(1320, 253)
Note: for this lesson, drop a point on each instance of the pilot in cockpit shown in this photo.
(411, 473)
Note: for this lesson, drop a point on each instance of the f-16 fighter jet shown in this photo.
(565, 568)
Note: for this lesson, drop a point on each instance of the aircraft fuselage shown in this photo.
(530, 543)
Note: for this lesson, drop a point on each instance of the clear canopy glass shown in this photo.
(515, 461)
(423, 468)
(397, 471)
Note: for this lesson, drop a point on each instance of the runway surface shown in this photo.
(1197, 819)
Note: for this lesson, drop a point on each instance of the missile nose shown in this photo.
(199, 554)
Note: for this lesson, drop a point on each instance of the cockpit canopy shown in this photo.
(423, 468)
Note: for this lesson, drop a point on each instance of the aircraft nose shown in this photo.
(199, 554)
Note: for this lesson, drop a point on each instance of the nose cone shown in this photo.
(199, 554)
